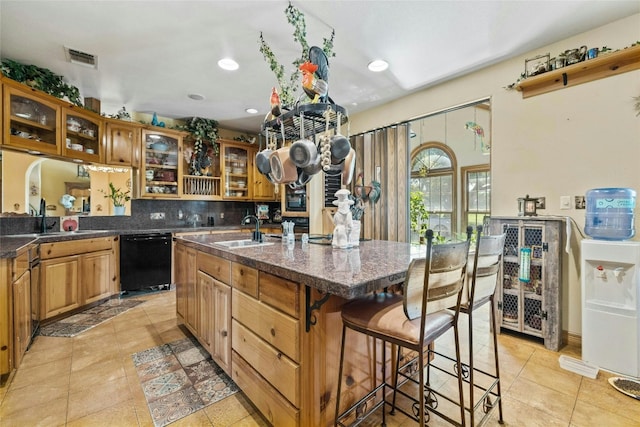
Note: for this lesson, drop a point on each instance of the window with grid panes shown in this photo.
(432, 174)
(476, 180)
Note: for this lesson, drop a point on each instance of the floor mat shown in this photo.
(89, 318)
(180, 378)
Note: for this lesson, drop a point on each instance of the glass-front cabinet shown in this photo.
(235, 170)
(30, 121)
(161, 171)
(82, 135)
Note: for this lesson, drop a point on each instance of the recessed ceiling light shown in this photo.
(196, 96)
(228, 64)
(378, 65)
(251, 111)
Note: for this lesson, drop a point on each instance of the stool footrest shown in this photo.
(359, 403)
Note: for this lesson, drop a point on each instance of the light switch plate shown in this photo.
(565, 202)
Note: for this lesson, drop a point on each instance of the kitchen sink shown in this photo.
(235, 244)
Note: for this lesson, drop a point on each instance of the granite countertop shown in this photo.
(10, 245)
(348, 273)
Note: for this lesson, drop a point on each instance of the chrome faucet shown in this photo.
(257, 235)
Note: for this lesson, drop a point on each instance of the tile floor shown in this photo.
(90, 380)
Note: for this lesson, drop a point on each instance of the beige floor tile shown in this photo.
(554, 378)
(122, 414)
(229, 410)
(599, 393)
(49, 414)
(518, 414)
(587, 414)
(96, 374)
(54, 371)
(33, 396)
(93, 399)
(554, 403)
(48, 351)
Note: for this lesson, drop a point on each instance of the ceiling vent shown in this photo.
(81, 58)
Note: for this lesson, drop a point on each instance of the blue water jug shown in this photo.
(610, 213)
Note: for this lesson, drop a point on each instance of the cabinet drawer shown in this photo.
(215, 267)
(20, 265)
(269, 402)
(280, 293)
(74, 247)
(245, 278)
(276, 328)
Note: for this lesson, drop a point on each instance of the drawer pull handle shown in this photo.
(223, 333)
(273, 332)
(279, 355)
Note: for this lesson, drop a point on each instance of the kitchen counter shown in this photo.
(348, 273)
(11, 244)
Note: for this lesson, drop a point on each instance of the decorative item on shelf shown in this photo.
(536, 65)
(575, 55)
(122, 114)
(592, 53)
(118, 198)
(155, 122)
(527, 206)
(41, 79)
(202, 155)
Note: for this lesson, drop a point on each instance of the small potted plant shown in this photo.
(418, 214)
(118, 197)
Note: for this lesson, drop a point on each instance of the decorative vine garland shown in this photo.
(288, 88)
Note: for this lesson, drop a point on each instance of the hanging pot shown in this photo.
(303, 179)
(314, 167)
(303, 153)
(340, 145)
(283, 170)
(263, 161)
(348, 167)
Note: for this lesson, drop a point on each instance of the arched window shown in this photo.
(433, 177)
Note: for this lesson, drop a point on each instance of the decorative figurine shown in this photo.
(342, 220)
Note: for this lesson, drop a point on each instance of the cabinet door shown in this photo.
(192, 306)
(30, 122)
(123, 144)
(206, 311)
(222, 325)
(21, 316)
(95, 276)
(263, 189)
(59, 285)
(235, 171)
(180, 278)
(82, 135)
(161, 171)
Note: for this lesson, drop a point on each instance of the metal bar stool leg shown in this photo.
(495, 356)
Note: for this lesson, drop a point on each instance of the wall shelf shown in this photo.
(607, 65)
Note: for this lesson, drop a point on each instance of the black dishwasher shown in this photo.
(145, 261)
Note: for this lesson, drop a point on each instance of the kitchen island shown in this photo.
(270, 317)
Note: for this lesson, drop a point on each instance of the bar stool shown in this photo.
(483, 274)
(411, 321)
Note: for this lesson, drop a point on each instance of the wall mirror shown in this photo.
(26, 179)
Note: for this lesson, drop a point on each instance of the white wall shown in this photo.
(560, 143)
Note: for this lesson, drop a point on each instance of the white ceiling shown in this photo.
(151, 55)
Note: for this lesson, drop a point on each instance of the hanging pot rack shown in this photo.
(305, 119)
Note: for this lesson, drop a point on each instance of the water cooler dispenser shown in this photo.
(610, 305)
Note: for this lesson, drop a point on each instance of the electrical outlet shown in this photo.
(580, 203)
(221, 215)
(157, 215)
(565, 202)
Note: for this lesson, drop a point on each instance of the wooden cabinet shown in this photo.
(203, 300)
(76, 273)
(263, 189)
(266, 339)
(82, 135)
(236, 170)
(21, 289)
(122, 142)
(161, 165)
(530, 298)
(31, 120)
(186, 286)
(207, 185)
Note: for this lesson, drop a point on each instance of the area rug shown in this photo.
(89, 318)
(180, 378)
